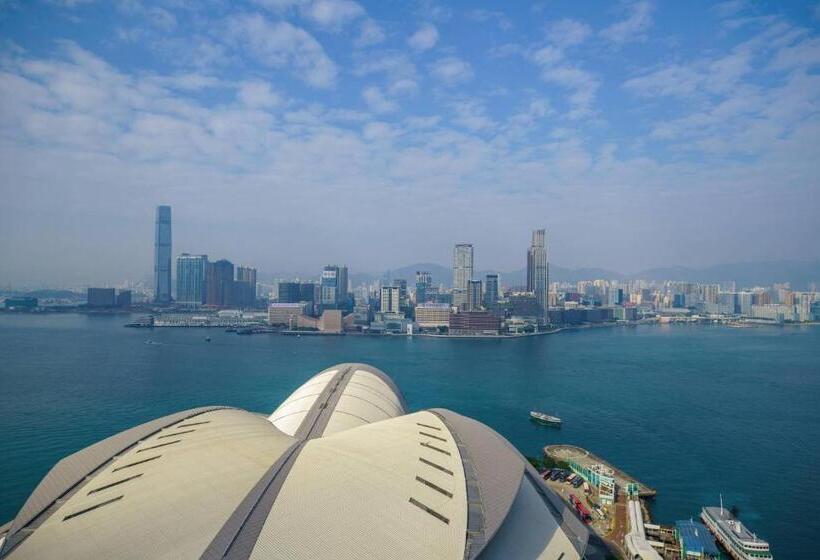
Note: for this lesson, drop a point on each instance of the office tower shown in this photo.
(334, 286)
(307, 292)
(390, 299)
(219, 283)
(191, 271)
(162, 256)
(124, 298)
(245, 286)
(491, 290)
(329, 286)
(423, 282)
(402, 286)
(462, 273)
(538, 270)
(474, 297)
(101, 297)
(289, 292)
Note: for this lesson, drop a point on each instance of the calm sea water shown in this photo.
(691, 410)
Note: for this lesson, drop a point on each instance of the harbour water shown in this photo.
(692, 411)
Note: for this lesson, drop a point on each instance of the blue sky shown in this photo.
(290, 133)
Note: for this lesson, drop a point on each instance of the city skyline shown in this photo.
(281, 131)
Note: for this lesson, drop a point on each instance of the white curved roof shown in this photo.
(337, 471)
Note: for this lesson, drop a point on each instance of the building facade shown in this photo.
(245, 286)
(191, 279)
(462, 273)
(474, 323)
(219, 283)
(433, 315)
(490, 290)
(390, 300)
(538, 270)
(162, 256)
(101, 297)
(475, 296)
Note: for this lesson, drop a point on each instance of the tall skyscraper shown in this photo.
(423, 282)
(390, 300)
(219, 283)
(162, 256)
(538, 270)
(334, 286)
(245, 286)
(288, 292)
(474, 297)
(490, 290)
(191, 271)
(462, 273)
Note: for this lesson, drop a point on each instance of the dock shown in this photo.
(584, 459)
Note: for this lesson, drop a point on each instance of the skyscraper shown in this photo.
(474, 297)
(334, 286)
(390, 300)
(245, 286)
(219, 283)
(462, 273)
(538, 270)
(423, 282)
(490, 290)
(162, 256)
(191, 270)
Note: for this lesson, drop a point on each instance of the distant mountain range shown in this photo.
(798, 273)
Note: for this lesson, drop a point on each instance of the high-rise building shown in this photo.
(162, 256)
(101, 297)
(490, 290)
(219, 283)
(289, 292)
(423, 282)
(401, 284)
(334, 286)
(474, 295)
(390, 299)
(191, 278)
(124, 298)
(538, 270)
(462, 273)
(245, 286)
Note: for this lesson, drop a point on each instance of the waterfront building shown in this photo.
(162, 256)
(334, 287)
(401, 284)
(289, 292)
(433, 315)
(474, 323)
(20, 303)
(307, 292)
(245, 286)
(490, 290)
(538, 270)
(523, 304)
(191, 277)
(285, 313)
(695, 541)
(101, 297)
(475, 299)
(390, 300)
(462, 273)
(219, 283)
(124, 298)
(424, 281)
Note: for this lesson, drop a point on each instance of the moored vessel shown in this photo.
(735, 537)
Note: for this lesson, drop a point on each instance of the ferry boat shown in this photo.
(545, 418)
(741, 543)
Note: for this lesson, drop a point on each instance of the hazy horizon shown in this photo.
(287, 134)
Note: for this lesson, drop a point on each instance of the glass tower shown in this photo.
(162, 256)
(462, 273)
(538, 270)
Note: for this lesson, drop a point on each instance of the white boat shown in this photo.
(545, 418)
(741, 543)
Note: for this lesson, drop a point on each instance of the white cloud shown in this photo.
(567, 32)
(370, 34)
(403, 86)
(280, 44)
(483, 16)
(634, 27)
(424, 38)
(257, 94)
(472, 115)
(376, 100)
(452, 70)
(332, 13)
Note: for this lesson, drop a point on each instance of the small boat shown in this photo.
(207, 339)
(545, 418)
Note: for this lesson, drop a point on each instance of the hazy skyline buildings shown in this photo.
(162, 256)
(191, 279)
(462, 273)
(538, 270)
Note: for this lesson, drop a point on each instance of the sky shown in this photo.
(288, 134)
